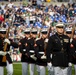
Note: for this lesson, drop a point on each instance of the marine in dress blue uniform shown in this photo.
(32, 62)
(40, 50)
(73, 50)
(24, 50)
(58, 48)
(69, 34)
(8, 62)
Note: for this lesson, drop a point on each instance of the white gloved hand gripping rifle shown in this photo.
(7, 41)
(43, 57)
(4, 53)
(33, 57)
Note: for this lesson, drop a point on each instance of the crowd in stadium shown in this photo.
(34, 15)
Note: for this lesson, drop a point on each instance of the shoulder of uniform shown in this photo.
(66, 36)
(21, 39)
(20, 42)
(37, 39)
(53, 36)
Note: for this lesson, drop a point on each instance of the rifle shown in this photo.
(5, 46)
(73, 29)
(49, 31)
(45, 44)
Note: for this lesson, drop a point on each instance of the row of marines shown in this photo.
(57, 52)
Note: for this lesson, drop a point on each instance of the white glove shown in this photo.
(43, 57)
(46, 40)
(71, 40)
(49, 65)
(33, 57)
(51, 56)
(8, 52)
(7, 41)
(3, 53)
(70, 64)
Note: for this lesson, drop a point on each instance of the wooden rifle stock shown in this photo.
(45, 45)
(73, 29)
(5, 46)
(49, 32)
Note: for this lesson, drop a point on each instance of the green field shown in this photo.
(18, 70)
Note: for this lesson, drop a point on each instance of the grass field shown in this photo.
(18, 70)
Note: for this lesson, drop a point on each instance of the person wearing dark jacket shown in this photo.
(8, 61)
(24, 50)
(40, 50)
(32, 60)
(73, 50)
(57, 50)
(69, 34)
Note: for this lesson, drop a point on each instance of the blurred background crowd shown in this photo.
(36, 14)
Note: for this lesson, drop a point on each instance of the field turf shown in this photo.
(18, 69)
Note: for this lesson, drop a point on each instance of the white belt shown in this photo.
(31, 51)
(41, 52)
(24, 49)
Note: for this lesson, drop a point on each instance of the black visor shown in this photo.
(34, 32)
(31, 22)
(27, 32)
(3, 32)
(44, 32)
(69, 32)
(60, 27)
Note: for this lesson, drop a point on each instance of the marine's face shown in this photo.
(34, 35)
(69, 35)
(44, 35)
(27, 35)
(3, 35)
(60, 30)
(74, 36)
